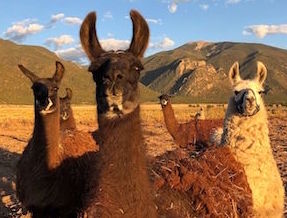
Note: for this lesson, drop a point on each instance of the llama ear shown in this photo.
(28, 73)
(69, 93)
(58, 76)
(89, 38)
(261, 73)
(234, 74)
(140, 37)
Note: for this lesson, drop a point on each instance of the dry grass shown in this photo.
(16, 125)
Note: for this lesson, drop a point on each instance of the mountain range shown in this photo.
(199, 70)
(196, 72)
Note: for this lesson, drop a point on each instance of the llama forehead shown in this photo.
(164, 97)
(247, 84)
(117, 59)
(48, 82)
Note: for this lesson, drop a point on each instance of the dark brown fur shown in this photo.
(120, 185)
(195, 132)
(51, 172)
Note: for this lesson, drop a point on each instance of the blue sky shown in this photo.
(55, 24)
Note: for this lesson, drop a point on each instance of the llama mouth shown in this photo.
(64, 116)
(116, 109)
(49, 109)
(114, 112)
(247, 112)
(163, 103)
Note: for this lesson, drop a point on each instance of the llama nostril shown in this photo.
(114, 91)
(250, 102)
(251, 99)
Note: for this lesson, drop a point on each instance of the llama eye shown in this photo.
(138, 68)
(119, 76)
(236, 92)
(261, 92)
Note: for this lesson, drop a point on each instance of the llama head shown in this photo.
(164, 100)
(45, 89)
(116, 73)
(247, 93)
(65, 105)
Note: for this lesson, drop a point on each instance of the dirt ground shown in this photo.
(16, 125)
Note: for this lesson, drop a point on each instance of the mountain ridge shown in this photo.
(195, 72)
(199, 70)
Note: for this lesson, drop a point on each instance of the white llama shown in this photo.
(246, 133)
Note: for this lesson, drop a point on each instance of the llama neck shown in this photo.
(170, 121)
(70, 123)
(46, 135)
(249, 142)
(123, 181)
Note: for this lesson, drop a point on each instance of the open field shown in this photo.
(16, 124)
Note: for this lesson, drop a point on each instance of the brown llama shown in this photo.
(196, 132)
(66, 113)
(51, 171)
(121, 186)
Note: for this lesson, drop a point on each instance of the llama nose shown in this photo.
(250, 100)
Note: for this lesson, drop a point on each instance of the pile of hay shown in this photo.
(207, 184)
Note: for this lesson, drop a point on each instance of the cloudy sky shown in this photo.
(55, 24)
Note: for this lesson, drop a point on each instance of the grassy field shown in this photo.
(16, 125)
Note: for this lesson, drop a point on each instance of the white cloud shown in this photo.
(20, 30)
(57, 17)
(108, 15)
(60, 41)
(172, 7)
(164, 44)
(261, 31)
(110, 35)
(232, 1)
(73, 20)
(204, 7)
(173, 4)
(75, 54)
(154, 21)
(246, 33)
(114, 44)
